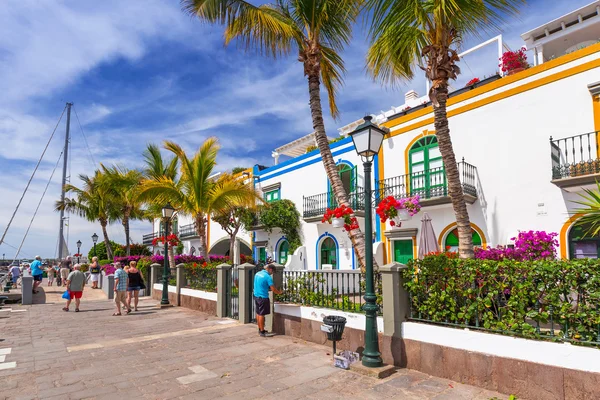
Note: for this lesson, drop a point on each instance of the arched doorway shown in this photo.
(426, 168)
(582, 245)
(283, 252)
(451, 241)
(328, 253)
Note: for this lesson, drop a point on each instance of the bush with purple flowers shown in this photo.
(529, 245)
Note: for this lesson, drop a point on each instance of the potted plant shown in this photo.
(472, 82)
(341, 216)
(398, 210)
(514, 61)
(172, 239)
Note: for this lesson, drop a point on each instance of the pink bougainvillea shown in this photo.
(529, 245)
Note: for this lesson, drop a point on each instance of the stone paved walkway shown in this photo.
(178, 353)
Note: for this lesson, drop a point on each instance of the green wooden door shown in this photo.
(283, 252)
(403, 250)
(262, 254)
(427, 174)
(328, 253)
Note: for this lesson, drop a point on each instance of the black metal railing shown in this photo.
(575, 156)
(147, 239)
(187, 231)
(232, 293)
(429, 184)
(201, 278)
(340, 290)
(314, 206)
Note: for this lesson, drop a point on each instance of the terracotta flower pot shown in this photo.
(515, 71)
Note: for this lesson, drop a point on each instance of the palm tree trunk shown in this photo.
(171, 256)
(109, 252)
(201, 231)
(125, 223)
(232, 237)
(442, 132)
(314, 86)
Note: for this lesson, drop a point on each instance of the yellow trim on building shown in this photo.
(381, 173)
(415, 255)
(500, 83)
(596, 108)
(450, 227)
(563, 240)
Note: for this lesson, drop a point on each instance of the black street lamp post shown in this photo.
(167, 213)
(367, 139)
(78, 250)
(95, 239)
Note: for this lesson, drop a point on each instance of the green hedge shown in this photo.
(528, 298)
(202, 276)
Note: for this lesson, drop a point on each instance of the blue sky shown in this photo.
(143, 71)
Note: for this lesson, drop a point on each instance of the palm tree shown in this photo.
(158, 169)
(93, 202)
(405, 33)
(123, 184)
(318, 30)
(197, 192)
(235, 217)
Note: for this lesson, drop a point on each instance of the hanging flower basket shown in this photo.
(397, 210)
(339, 217)
(512, 62)
(337, 222)
(172, 239)
(404, 215)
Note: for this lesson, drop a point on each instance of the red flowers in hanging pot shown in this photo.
(341, 215)
(172, 239)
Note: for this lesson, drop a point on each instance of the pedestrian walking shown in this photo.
(15, 273)
(94, 272)
(75, 283)
(57, 274)
(37, 272)
(263, 282)
(134, 284)
(50, 273)
(65, 269)
(120, 288)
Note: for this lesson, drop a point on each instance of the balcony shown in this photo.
(575, 161)
(315, 206)
(147, 239)
(187, 231)
(431, 185)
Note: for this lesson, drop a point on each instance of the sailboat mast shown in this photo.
(61, 238)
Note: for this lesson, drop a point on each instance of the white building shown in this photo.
(526, 146)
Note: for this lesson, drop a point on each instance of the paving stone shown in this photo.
(156, 356)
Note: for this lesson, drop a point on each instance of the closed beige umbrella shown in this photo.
(427, 239)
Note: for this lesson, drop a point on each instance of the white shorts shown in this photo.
(94, 277)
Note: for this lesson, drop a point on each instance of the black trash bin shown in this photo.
(337, 323)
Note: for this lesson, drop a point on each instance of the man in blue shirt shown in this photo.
(36, 272)
(263, 282)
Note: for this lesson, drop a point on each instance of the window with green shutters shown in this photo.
(451, 243)
(348, 175)
(262, 254)
(272, 195)
(284, 248)
(427, 173)
(403, 250)
(582, 245)
(328, 252)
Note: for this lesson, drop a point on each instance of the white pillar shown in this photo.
(539, 55)
(275, 156)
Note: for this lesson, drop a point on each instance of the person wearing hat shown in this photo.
(36, 272)
(75, 284)
(263, 282)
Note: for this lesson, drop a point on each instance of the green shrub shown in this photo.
(101, 250)
(202, 276)
(508, 296)
(104, 262)
(84, 267)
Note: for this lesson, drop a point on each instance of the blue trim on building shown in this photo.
(337, 250)
(376, 186)
(293, 168)
(353, 259)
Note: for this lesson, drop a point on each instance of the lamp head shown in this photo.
(168, 211)
(94, 238)
(367, 138)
